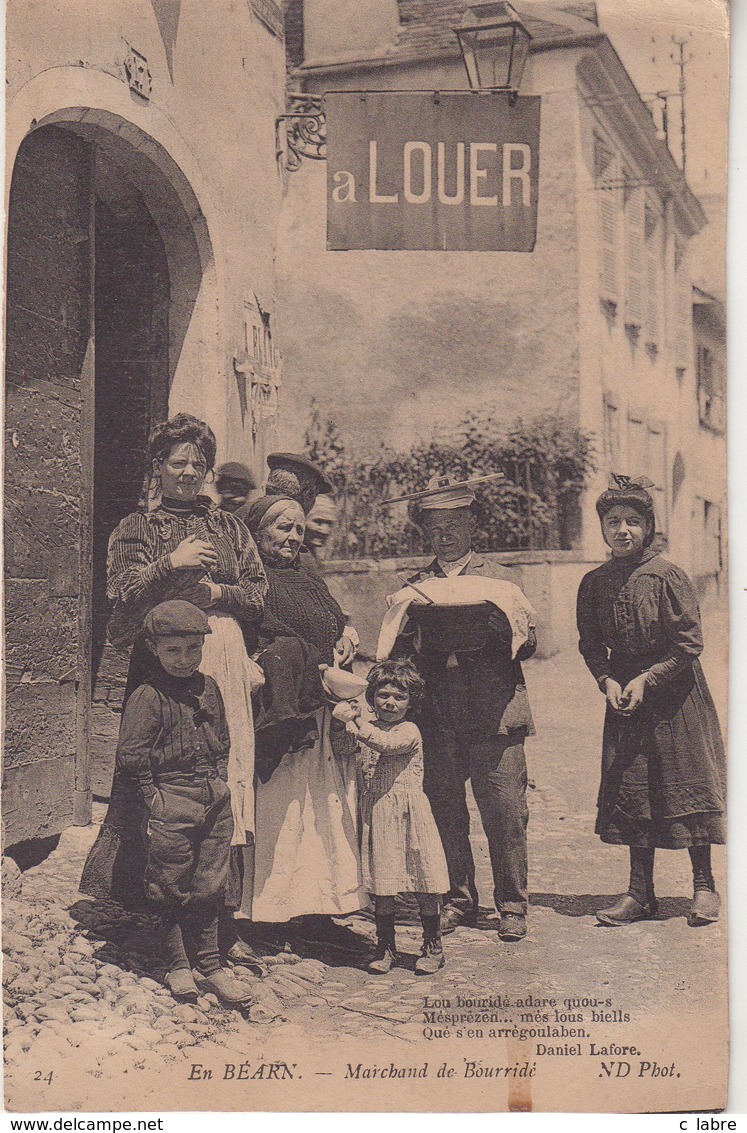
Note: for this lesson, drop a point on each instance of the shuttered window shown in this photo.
(612, 435)
(653, 238)
(657, 471)
(647, 449)
(711, 387)
(683, 298)
(635, 282)
(607, 194)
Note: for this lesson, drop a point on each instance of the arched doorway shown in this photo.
(104, 268)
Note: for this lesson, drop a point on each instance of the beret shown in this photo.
(294, 462)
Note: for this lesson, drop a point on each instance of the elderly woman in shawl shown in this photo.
(307, 858)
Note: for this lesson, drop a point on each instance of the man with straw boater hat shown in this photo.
(476, 713)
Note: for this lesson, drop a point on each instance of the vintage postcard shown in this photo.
(365, 556)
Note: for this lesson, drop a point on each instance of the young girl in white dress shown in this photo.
(401, 849)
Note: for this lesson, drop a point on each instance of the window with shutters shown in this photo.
(653, 233)
(711, 387)
(637, 456)
(683, 297)
(712, 551)
(647, 450)
(656, 470)
(612, 447)
(635, 279)
(606, 180)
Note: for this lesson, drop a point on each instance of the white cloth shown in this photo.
(224, 658)
(307, 858)
(462, 590)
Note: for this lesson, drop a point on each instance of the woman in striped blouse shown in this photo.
(180, 545)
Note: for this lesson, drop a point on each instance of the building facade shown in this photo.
(594, 326)
(142, 203)
(158, 256)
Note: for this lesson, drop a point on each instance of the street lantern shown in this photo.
(495, 45)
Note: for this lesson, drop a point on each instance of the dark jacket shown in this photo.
(173, 727)
(478, 691)
(170, 727)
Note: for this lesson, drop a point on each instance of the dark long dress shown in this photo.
(663, 767)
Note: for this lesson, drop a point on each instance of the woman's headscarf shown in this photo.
(627, 492)
(266, 509)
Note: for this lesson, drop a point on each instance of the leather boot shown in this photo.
(431, 956)
(385, 956)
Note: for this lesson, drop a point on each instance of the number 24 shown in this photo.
(40, 1076)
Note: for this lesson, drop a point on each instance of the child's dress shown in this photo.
(401, 850)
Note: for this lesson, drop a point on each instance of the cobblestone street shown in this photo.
(83, 981)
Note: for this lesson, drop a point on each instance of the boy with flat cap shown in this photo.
(234, 483)
(174, 743)
(475, 717)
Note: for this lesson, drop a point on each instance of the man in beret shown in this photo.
(296, 476)
(474, 720)
(233, 483)
(174, 744)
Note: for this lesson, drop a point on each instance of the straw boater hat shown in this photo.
(446, 492)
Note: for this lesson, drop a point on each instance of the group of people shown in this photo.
(250, 787)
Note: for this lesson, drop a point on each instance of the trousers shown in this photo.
(497, 769)
(188, 841)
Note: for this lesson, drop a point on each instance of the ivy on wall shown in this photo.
(545, 463)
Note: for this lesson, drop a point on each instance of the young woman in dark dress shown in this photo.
(663, 766)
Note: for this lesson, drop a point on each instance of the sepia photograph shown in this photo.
(365, 583)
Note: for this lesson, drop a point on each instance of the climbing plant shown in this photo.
(545, 463)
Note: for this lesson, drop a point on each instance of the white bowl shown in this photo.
(343, 685)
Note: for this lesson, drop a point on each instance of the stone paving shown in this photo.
(83, 979)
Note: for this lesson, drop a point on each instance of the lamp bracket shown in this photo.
(305, 133)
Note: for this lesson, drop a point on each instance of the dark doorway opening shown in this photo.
(131, 309)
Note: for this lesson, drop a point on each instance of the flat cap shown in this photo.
(235, 471)
(176, 619)
(295, 462)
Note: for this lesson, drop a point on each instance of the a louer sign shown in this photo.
(447, 171)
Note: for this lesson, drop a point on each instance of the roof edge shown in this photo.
(605, 75)
(343, 64)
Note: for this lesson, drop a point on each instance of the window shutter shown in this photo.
(607, 196)
(634, 257)
(653, 238)
(637, 446)
(657, 471)
(683, 293)
(612, 435)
